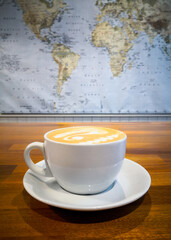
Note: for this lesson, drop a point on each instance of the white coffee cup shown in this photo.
(79, 168)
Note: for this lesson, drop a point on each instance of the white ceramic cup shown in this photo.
(80, 169)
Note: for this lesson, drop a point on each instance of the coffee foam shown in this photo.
(85, 135)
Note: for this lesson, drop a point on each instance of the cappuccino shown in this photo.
(83, 160)
(85, 135)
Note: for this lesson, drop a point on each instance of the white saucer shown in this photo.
(132, 183)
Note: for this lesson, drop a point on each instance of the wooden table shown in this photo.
(23, 217)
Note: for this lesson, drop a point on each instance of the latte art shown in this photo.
(85, 135)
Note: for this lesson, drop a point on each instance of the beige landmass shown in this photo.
(130, 65)
(39, 14)
(114, 40)
(150, 16)
(67, 62)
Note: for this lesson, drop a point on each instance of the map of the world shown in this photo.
(85, 56)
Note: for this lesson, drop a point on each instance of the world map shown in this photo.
(88, 56)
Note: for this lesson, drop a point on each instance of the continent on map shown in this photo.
(67, 62)
(152, 17)
(39, 14)
(114, 40)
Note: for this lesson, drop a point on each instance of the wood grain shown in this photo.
(23, 217)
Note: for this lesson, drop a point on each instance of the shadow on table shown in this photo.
(46, 219)
(97, 216)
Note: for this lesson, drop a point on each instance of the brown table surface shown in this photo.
(23, 217)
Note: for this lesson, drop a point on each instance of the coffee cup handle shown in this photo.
(37, 170)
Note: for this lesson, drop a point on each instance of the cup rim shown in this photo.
(84, 145)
